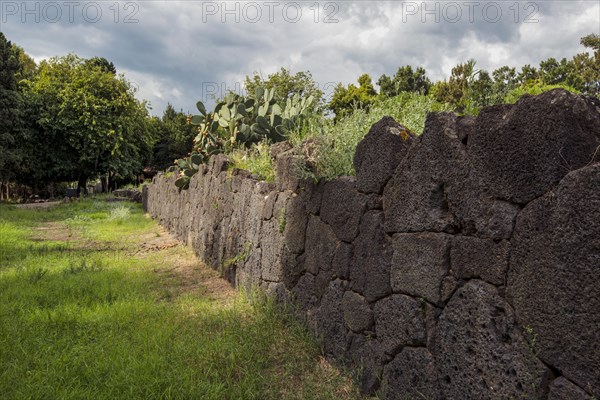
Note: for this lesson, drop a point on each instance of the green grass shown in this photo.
(336, 143)
(256, 160)
(84, 316)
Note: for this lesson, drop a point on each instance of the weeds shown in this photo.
(79, 323)
(256, 160)
(282, 220)
(119, 213)
(335, 144)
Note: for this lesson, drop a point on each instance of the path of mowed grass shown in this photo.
(83, 317)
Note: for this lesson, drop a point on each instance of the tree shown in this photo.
(27, 64)
(174, 138)
(11, 114)
(591, 41)
(505, 80)
(528, 73)
(86, 122)
(286, 85)
(455, 91)
(345, 100)
(102, 63)
(588, 67)
(405, 80)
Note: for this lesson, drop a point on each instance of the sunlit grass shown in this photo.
(82, 317)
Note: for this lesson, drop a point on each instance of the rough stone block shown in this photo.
(304, 292)
(342, 207)
(357, 312)
(415, 199)
(554, 275)
(272, 248)
(289, 170)
(367, 355)
(399, 322)
(480, 258)
(562, 389)
(480, 352)
(295, 224)
(411, 375)
(521, 151)
(321, 245)
(379, 153)
(420, 263)
(370, 267)
(330, 320)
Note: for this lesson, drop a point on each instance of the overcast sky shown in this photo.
(183, 51)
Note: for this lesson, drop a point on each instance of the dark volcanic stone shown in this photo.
(480, 352)
(330, 320)
(480, 258)
(295, 224)
(411, 375)
(562, 389)
(321, 245)
(521, 151)
(341, 260)
(399, 322)
(368, 359)
(379, 153)
(415, 199)
(289, 168)
(278, 148)
(357, 312)
(370, 268)
(268, 204)
(342, 206)
(304, 292)
(554, 275)
(420, 263)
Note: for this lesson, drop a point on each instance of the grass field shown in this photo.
(98, 302)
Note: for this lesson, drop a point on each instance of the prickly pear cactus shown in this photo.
(239, 121)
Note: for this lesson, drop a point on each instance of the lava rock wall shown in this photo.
(461, 264)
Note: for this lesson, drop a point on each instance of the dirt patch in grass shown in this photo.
(52, 231)
(181, 271)
(43, 205)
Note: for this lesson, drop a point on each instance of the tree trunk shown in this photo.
(111, 182)
(82, 183)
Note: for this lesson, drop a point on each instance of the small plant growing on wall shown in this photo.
(238, 122)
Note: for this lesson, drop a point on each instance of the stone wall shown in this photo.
(462, 264)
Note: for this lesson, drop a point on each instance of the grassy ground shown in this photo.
(98, 302)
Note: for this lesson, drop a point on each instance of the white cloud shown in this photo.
(177, 49)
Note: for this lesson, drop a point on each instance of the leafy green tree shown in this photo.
(286, 85)
(405, 80)
(528, 73)
(455, 90)
(591, 41)
(102, 63)
(481, 90)
(505, 80)
(553, 72)
(588, 67)
(11, 114)
(86, 123)
(174, 138)
(345, 100)
(27, 64)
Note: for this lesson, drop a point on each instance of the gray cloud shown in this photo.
(178, 48)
